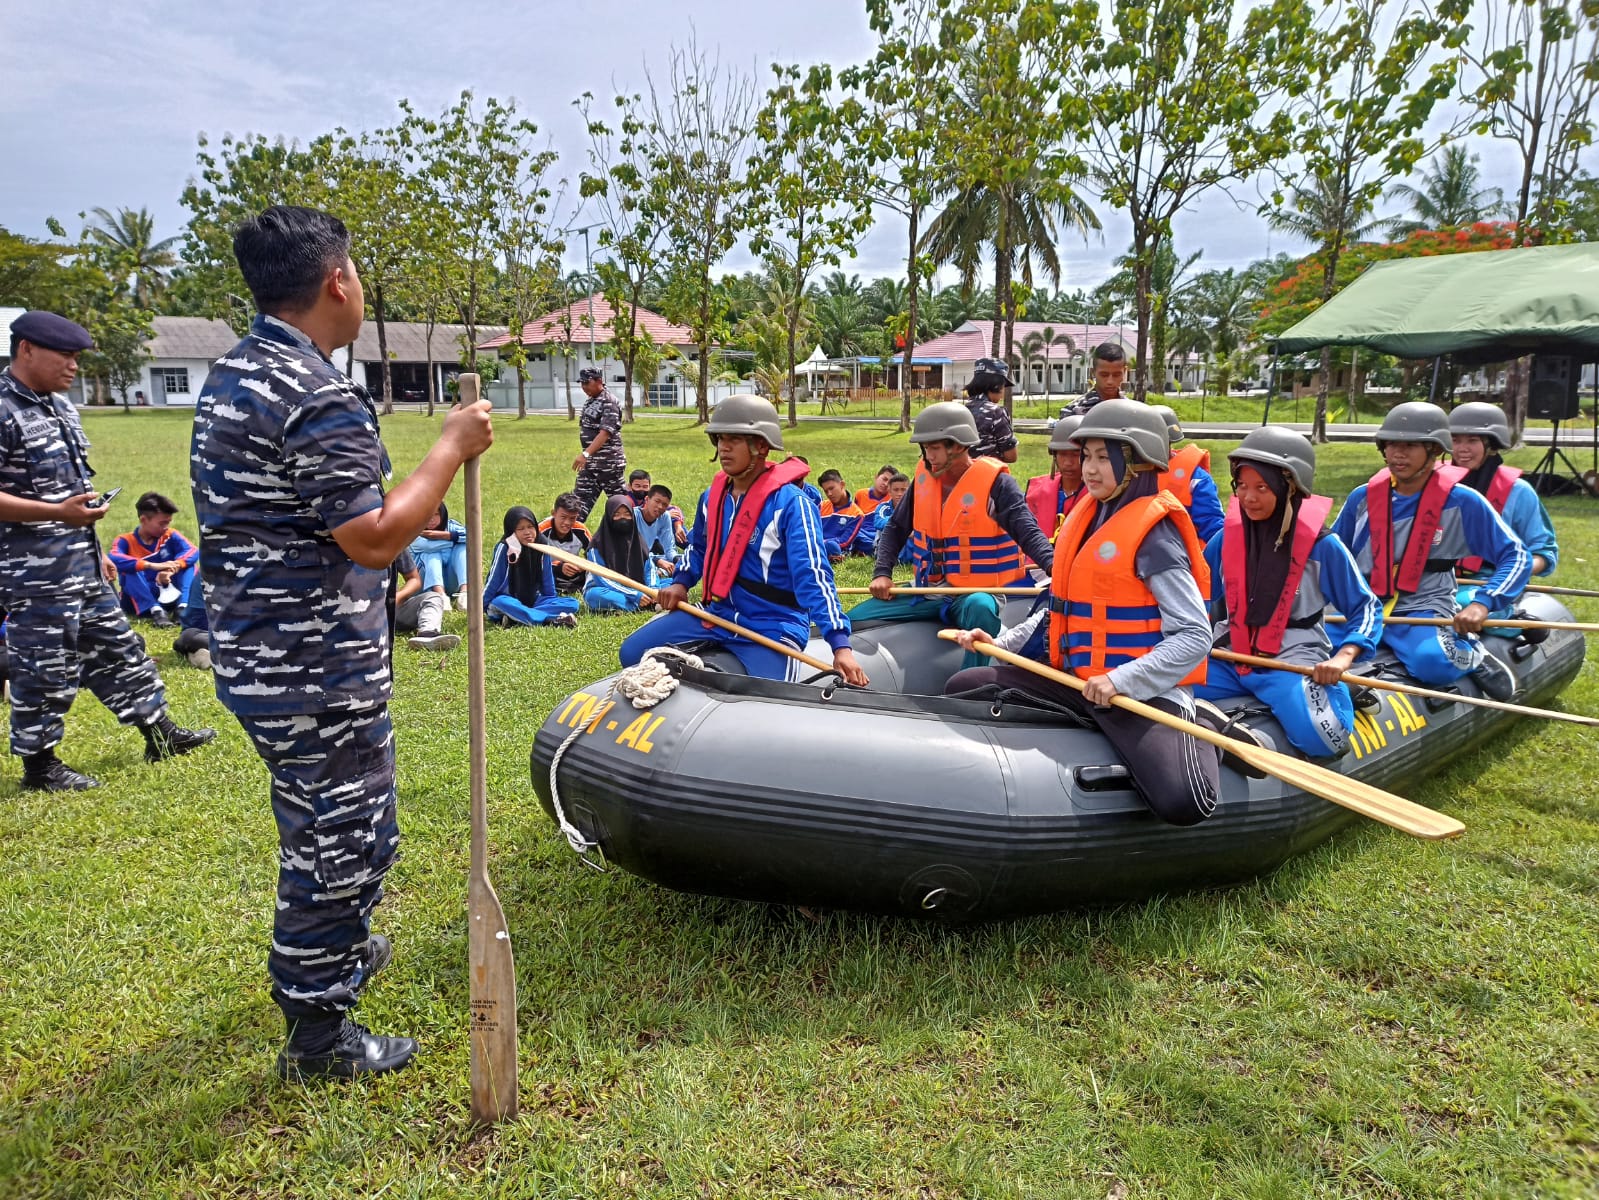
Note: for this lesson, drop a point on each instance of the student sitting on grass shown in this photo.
(657, 528)
(564, 529)
(521, 585)
(846, 527)
(898, 485)
(870, 498)
(151, 559)
(440, 551)
(617, 545)
(420, 610)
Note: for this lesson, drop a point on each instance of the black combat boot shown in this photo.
(44, 772)
(377, 954)
(337, 1048)
(163, 739)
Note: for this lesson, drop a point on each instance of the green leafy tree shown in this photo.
(1182, 96)
(807, 206)
(131, 235)
(1451, 195)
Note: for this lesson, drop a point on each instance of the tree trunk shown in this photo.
(703, 335)
(385, 374)
(1143, 256)
(428, 343)
(632, 348)
(1318, 429)
(571, 411)
(521, 387)
(910, 326)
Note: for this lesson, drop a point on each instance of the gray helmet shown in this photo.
(1124, 420)
(1279, 447)
(1486, 421)
(1174, 426)
(945, 421)
(1060, 434)
(1416, 421)
(749, 415)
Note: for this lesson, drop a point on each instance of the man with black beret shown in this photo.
(601, 461)
(65, 624)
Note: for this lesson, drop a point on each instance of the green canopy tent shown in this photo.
(1487, 306)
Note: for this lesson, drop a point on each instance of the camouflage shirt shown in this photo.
(994, 433)
(1078, 408)
(44, 455)
(602, 412)
(285, 450)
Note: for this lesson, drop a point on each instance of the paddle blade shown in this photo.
(493, 1001)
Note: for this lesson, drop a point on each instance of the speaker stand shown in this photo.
(1548, 465)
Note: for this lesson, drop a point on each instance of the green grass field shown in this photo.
(1380, 1018)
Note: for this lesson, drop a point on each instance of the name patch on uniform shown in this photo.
(35, 425)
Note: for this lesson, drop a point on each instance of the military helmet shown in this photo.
(1174, 425)
(1416, 421)
(945, 421)
(1279, 447)
(1124, 420)
(749, 415)
(1061, 432)
(1486, 421)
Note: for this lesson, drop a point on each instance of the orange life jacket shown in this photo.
(1498, 495)
(867, 501)
(1101, 614)
(1049, 504)
(954, 541)
(1178, 477)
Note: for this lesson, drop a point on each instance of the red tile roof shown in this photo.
(551, 327)
(973, 339)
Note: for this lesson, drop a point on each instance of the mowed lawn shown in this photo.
(1380, 1018)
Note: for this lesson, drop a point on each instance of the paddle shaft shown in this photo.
(1441, 622)
(493, 969)
(1545, 588)
(594, 568)
(1409, 689)
(1401, 814)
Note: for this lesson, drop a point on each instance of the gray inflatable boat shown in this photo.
(898, 800)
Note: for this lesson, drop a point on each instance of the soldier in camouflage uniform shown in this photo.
(984, 397)
(1110, 372)
(600, 465)
(297, 544)
(65, 625)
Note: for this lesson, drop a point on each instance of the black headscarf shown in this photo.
(621, 550)
(1480, 476)
(444, 517)
(1141, 485)
(1268, 546)
(524, 576)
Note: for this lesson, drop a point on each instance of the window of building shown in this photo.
(174, 381)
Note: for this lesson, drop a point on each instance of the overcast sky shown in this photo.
(104, 102)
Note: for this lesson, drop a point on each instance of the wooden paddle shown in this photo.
(594, 568)
(1572, 626)
(493, 970)
(908, 590)
(1545, 589)
(1402, 814)
(1409, 689)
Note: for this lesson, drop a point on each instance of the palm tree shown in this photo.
(1046, 339)
(843, 322)
(131, 237)
(1449, 196)
(1167, 283)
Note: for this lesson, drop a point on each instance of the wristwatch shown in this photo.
(585, 455)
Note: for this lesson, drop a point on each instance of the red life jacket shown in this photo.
(1386, 579)
(1498, 495)
(1266, 639)
(1178, 477)
(1101, 614)
(722, 559)
(1049, 504)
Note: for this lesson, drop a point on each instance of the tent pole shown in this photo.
(1271, 389)
(1432, 391)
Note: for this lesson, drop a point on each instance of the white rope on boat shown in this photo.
(645, 685)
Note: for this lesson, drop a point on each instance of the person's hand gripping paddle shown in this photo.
(493, 984)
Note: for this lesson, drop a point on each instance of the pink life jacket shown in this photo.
(1049, 504)
(1266, 639)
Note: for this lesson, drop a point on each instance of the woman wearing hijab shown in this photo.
(1274, 569)
(521, 584)
(617, 545)
(1125, 613)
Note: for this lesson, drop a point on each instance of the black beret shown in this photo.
(52, 331)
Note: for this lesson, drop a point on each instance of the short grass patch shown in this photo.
(1379, 1018)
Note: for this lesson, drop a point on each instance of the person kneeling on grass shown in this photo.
(617, 545)
(521, 584)
(757, 547)
(1273, 570)
(1125, 613)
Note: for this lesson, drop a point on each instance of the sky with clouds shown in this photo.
(105, 102)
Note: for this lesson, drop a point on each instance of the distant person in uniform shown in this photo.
(1110, 372)
(600, 462)
(153, 558)
(985, 397)
(64, 625)
(297, 547)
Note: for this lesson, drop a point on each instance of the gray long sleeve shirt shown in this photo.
(1007, 505)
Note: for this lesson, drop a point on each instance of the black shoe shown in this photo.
(355, 1050)
(164, 739)
(46, 773)
(1494, 678)
(378, 953)
(159, 618)
(1213, 718)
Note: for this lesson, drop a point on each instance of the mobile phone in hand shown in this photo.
(102, 500)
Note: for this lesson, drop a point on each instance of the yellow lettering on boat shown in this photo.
(644, 743)
(587, 703)
(599, 715)
(1410, 719)
(631, 735)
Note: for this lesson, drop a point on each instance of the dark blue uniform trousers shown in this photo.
(59, 641)
(334, 800)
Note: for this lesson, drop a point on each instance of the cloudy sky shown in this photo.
(105, 102)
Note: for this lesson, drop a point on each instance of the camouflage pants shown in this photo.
(334, 802)
(58, 642)
(606, 474)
